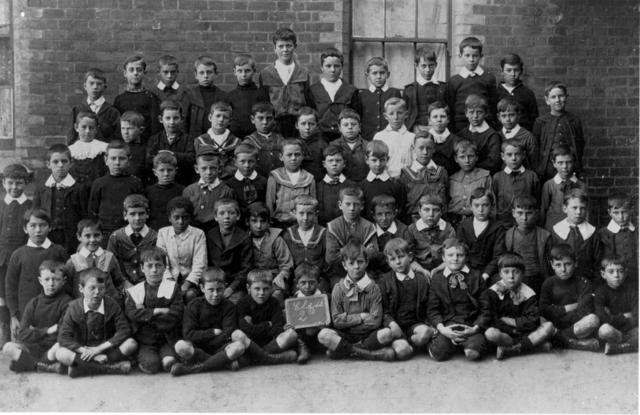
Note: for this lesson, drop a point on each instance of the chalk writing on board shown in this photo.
(311, 311)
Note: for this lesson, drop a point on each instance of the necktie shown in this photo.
(378, 91)
(575, 239)
(136, 238)
(334, 181)
(456, 279)
(565, 186)
(91, 260)
(249, 191)
(352, 290)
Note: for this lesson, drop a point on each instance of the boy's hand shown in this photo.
(248, 319)
(185, 286)
(447, 332)
(485, 276)
(628, 315)
(88, 353)
(101, 358)
(163, 310)
(509, 321)
(217, 332)
(281, 280)
(15, 327)
(396, 331)
(571, 307)
(228, 292)
(468, 331)
(288, 326)
(364, 316)
(52, 329)
(415, 267)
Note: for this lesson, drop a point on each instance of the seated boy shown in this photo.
(219, 139)
(424, 91)
(159, 194)
(458, 306)
(36, 344)
(155, 307)
(307, 279)
(444, 154)
(94, 333)
(356, 312)
(620, 236)
(509, 111)
(566, 300)
(265, 139)
(354, 147)
(328, 189)
(515, 319)
(246, 183)
(396, 136)
(404, 300)
(479, 132)
(616, 305)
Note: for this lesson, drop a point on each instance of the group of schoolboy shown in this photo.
(432, 231)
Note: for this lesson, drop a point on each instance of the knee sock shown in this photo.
(5, 317)
(216, 362)
(371, 343)
(344, 348)
(256, 353)
(565, 334)
(117, 356)
(526, 344)
(272, 347)
(25, 363)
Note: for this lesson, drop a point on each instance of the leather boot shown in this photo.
(180, 369)
(385, 354)
(303, 352)
(589, 345)
(617, 348)
(508, 351)
(289, 356)
(42, 367)
(91, 368)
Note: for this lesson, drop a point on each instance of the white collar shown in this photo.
(401, 277)
(439, 138)
(508, 88)
(465, 73)
(328, 179)
(161, 85)
(615, 228)
(384, 88)
(362, 283)
(45, 245)
(128, 230)
(421, 225)
(393, 229)
(21, 199)
(97, 103)
(558, 180)
(478, 226)
(240, 177)
(511, 133)
(422, 82)
(299, 294)
(563, 228)
(416, 166)
(508, 170)
(483, 127)
(403, 129)
(209, 186)
(100, 308)
(84, 252)
(68, 181)
(218, 138)
(448, 272)
(384, 176)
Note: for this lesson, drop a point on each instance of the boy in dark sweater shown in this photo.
(160, 193)
(267, 141)
(244, 96)
(481, 134)
(512, 86)
(312, 140)
(94, 333)
(445, 141)
(354, 148)
(328, 189)
(203, 95)
(131, 128)
(168, 87)
(35, 346)
(620, 236)
(246, 183)
(424, 91)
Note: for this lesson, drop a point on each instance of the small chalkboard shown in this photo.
(311, 311)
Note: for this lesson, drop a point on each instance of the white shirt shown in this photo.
(84, 252)
(384, 88)
(563, 228)
(128, 230)
(68, 181)
(465, 73)
(508, 88)
(219, 139)
(440, 138)
(100, 308)
(81, 150)
(21, 199)
(305, 236)
(45, 245)
(479, 227)
(399, 143)
(362, 282)
(331, 87)
(240, 177)
(512, 133)
(615, 228)
(284, 71)
(96, 105)
(294, 176)
(391, 229)
(481, 129)
(401, 277)
(383, 177)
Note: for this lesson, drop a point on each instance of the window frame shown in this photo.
(9, 142)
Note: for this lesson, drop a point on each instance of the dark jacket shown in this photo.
(389, 289)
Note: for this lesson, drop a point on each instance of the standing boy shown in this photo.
(168, 87)
(246, 183)
(160, 193)
(509, 114)
(512, 86)
(396, 136)
(479, 132)
(265, 139)
(424, 91)
(203, 95)
(244, 96)
(328, 189)
(354, 148)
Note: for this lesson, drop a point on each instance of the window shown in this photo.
(6, 77)
(394, 29)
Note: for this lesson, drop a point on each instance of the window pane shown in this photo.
(362, 52)
(6, 116)
(432, 19)
(400, 58)
(368, 19)
(401, 18)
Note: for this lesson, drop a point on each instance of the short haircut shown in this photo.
(307, 270)
(474, 101)
(16, 171)
(284, 34)
(513, 142)
(436, 106)
(377, 149)
(431, 199)
(464, 145)
(170, 105)
(332, 150)
(221, 106)
(509, 103)
(561, 150)
(306, 111)
(58, 148)
(425, 135)
(86, 114)
(118, 145)
(618, 200)
(132, 117)
(454, 243)
(525, 202)
(426, 54)
(511, 59)
(208, 153)
(135, 201)
(383, 200)
(165, 60)
(352, 191)
(555, 84)
(395, 102)
(95, 73)
(349, 114)
(575, 193)
(262, 107)
(481, 192)
(165, 157)
(562, 251)
(331, 53)
(377, 61)
(258, 210)
(243, 148)
(353, 249)
(291, 142)
(242, 59)
(511, 260)
(92, 273)
(135, 58)
(226, 202)
(180, 203)
(259, 275)
(153, 253)
(471, 42)
(212, 274)
(612, 260)
(305, 200)
(38, 214)
(52, 265)
(88, 223)
(396, 246)
(206, 61)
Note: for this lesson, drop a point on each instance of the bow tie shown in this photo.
(206, 186)
(514, 173)
(456, 279)
(334, 181)
(352, 290)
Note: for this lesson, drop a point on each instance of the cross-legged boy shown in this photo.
(244, 96)
(219, 138)
(203, 95)
(265, 139)
(307, 279)
(328, 189)
(479, 132)
(620, 236)
(160, 193)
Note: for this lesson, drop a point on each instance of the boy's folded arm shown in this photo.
(138, 315)
(123, 330)
(66, 337)
(344, 320)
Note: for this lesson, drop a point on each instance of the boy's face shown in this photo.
(86, 129)
(258, 226)
(356, 267)
(52, 282)
(423, 149)
(291, 157)
(244, 74)
(454, 258)
(165, 172)
(377, 75)
(153, 270)
(556, 100)
(305, 216)
(93, 292)
(475, 116)
(14, 187)
(481, 208)
(307, 285)
(426, 69)
(168, 74)
(226, 216)
(205, 75)
(208, 170)
(136, 217)
(564, 165)
(260, 291)
(331, 69)
(37, 229)
(90, 238)
(117, 161)
(284, 51)
(384, 215)
(576, 211)
(349, 128)
(620, 215)
(430, 214)
(171, 121)
(245, 163)
(511, 74)
(525, 217)
(133, 73)
(439, 120)
(180, 219)
(563, 267)
(395, 115)
(94, 87)
(512, 157)
(508, 119)
(466, 159)
(213, 292)
(511, 277)
(399, 262)
(377, 165)
(350, 206)
(306, 125)
(334, 165)
(219, 121)
(59, 164)
(470, 58)
(263, 121)
(614, 275)
(129, 131)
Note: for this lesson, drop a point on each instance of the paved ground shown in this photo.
(573, 382)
